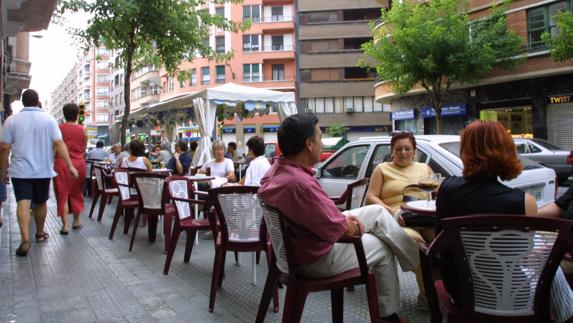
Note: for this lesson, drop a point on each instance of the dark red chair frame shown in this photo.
(299, 286)
(103, 193)
(449, 239)
(222, 243)
(152, 215)
(127, 206)
(190, 225)
(346, 197)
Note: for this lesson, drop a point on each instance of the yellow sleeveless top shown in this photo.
(396, 178)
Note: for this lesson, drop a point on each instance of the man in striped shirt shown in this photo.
(290, 186)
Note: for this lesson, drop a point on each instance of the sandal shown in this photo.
(77, 226)
(41, 237)
(21, 251)
(64, 232)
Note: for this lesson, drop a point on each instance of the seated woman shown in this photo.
(388, 181)
(259, 164)
(488, 152)
(136, 158)
(221, 167)
(180, 161)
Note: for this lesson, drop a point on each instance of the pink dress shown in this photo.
(67, 188)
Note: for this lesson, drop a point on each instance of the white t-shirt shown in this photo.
(257, 169)
(138, 163)
(31, 134)
(219, 169)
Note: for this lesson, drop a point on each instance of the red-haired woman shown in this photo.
(488, 152)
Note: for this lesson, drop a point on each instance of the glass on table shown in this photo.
(429, 183)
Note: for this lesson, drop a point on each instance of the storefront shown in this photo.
(518, 120)
(404, 120)
(560, 120)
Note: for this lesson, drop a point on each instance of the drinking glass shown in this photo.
(428, 183)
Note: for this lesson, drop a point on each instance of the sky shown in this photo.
(53, 54)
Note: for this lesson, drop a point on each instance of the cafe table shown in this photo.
(420, 207)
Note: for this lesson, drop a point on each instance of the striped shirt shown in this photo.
(294, 191)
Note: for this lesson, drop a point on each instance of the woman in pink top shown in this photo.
(68, 188)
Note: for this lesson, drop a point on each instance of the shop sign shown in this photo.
(270, 128)
(447, 111)
(403, 115)
(228, 130)
(559, 99)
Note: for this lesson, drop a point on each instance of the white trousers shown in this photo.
(384, 242)
(561, 298)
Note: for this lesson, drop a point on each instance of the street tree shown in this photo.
(561, 44)
(434, 45)
(149, 32)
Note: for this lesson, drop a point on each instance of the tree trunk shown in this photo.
(127, 88)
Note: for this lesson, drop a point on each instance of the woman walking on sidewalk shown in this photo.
(68, 189)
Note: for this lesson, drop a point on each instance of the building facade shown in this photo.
(93, 83)
(65, 92)
(533, 100)
(329, 82)
(17, 19)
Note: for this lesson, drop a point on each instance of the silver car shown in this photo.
(547, 155)
(358, 159)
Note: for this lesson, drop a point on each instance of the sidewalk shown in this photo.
(84, 277)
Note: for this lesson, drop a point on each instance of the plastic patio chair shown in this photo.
(241, 229)
(354, 195)
(127, 202)
(506, 264)
(180, 190)
(283, 269)
(106, 193)
(152, 197)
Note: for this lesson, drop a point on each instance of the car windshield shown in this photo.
(546, 144)
(454, 148)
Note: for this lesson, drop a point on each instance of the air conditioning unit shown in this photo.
(349, 110)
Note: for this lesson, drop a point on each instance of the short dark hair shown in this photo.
(193, 145)
(136, 148)
(182, 145)
(30, 98)
(99, 144)
(294, 131)
(233, 145)
(257, 145)
(402, 135)
(71, 111)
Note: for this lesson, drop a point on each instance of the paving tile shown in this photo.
(85, 277)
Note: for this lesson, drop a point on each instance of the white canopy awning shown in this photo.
(205, 104)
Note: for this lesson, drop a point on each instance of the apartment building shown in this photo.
(93, 84)
(65, 92)
(17, 20)
(535, 99)
(329, 82)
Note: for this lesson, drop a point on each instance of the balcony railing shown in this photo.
(277, 48)
(275, 18)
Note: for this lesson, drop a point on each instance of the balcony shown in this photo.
(145, 99)
(350, 29)
(286, 83)
(276, 51)
(277, 23)
(342, 58)
(18, 76)
(274, 2)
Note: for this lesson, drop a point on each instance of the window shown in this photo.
(102, 117)
(116, 80)
(220, 74)
(277, 13)
(205, 77)
(319, 17)
(278, 42)
(102, 91)
(278, 72)
(220, 44)
(102, 65)
(101, 78)
(170, 84)
(251, 73)
(345, 164)
(220, 11)
(100, 104)
(102, 51)
(193, 76)
(250, 43)
(541, 20)
(252, 12)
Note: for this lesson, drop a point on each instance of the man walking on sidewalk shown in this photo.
(32, 135)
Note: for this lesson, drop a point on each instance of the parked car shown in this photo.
(358, 159)
(330, 145)
(548, 155)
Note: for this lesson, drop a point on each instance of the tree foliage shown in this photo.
(150, 32)
(435, 45)
(561, 45)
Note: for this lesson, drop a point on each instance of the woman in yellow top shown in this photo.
(388, 181)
